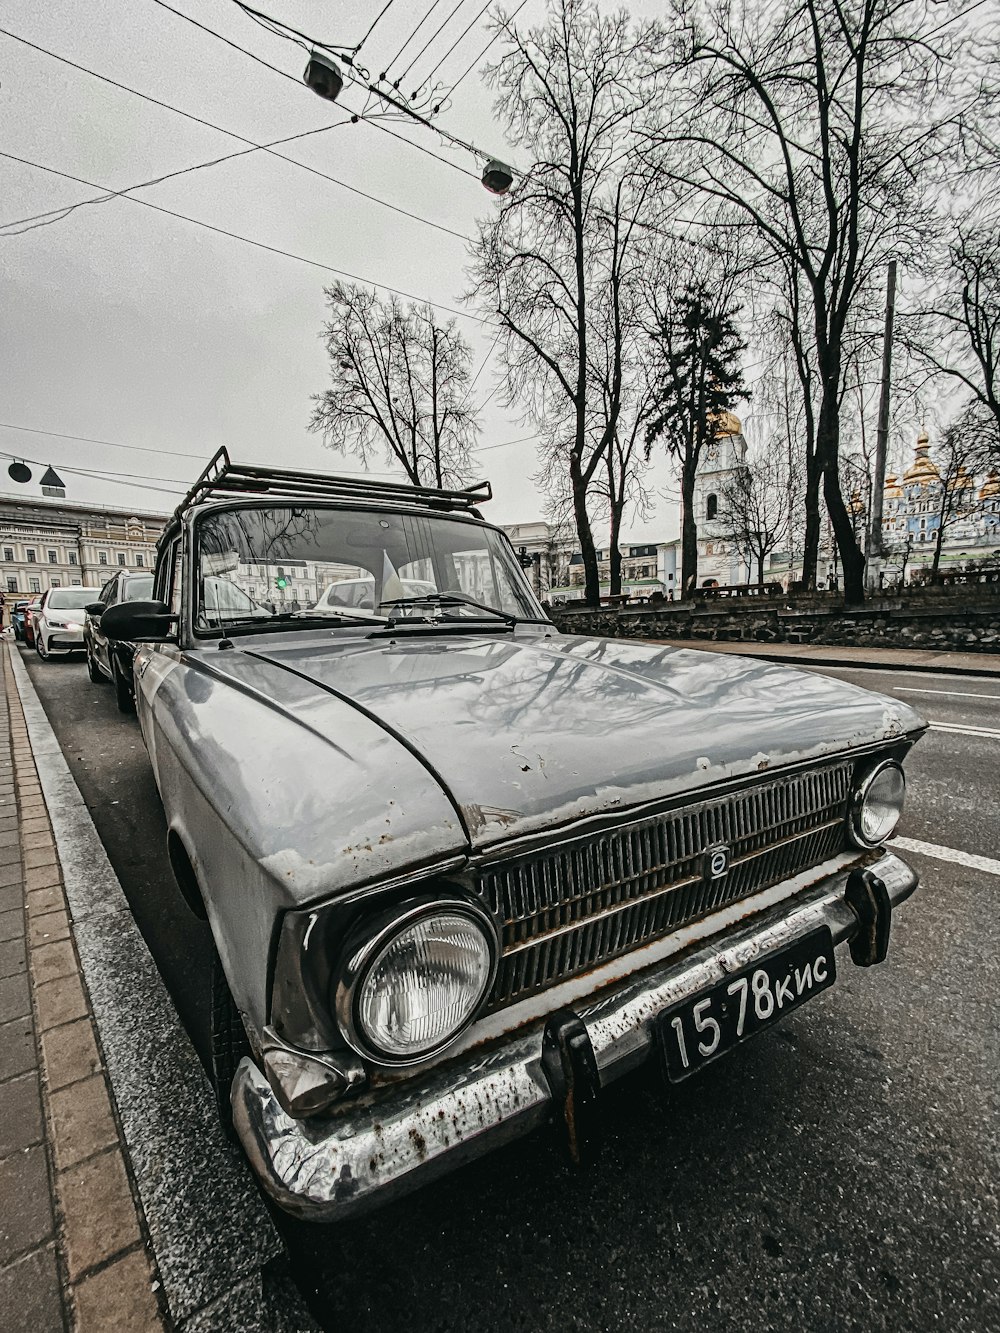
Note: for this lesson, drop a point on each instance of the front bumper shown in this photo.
(59, 640)
(387, 1142)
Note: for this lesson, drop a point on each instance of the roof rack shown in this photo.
(224, 477)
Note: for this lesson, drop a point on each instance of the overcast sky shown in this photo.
(123, 324)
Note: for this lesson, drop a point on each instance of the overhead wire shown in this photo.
(247, 240)
(458, 40)
(462, 77)
(121, 478)
(233, 134)
(398, 55)
(87, 439)
(430, 40)
(374, 23)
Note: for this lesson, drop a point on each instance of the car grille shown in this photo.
(585, 902)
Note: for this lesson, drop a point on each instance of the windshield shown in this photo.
(71, 599)
(309, 562)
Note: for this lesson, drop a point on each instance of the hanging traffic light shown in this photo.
(282, 580)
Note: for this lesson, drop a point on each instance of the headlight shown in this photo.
(416, 980)
(878, 804)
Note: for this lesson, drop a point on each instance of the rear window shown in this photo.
(71, 599)
(140, 589)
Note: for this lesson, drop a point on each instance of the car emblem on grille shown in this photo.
(716, 862)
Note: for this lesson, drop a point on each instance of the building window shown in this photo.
(711, 507)
(102, 557)
(11, 584)
(8, 553)
(34, 585)
(55, 583)
(121, 557)
(140, 561)
(72, 559)
(53, 557)
(30, 553)
(76, 583)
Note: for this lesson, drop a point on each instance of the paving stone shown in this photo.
(35, 857)
(46, 927)
(11, 898)
(51, 961)
(45, 878)
(9, 838)
(118, 1297)
(11, 876)
(29, 1294)
(15, 997)
(11, 925)
(13, 958)
(60, 1001)
(10, 856)
(36, 824)
(70, 1053)
(20, 1114)
(39, 841)
(26, 1215)
(17, 1047)
(82, 1124)
(50, 899)
(98, 1212)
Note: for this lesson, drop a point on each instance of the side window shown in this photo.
(175, 580)
(108, 593)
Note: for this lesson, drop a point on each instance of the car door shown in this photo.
(110, 594)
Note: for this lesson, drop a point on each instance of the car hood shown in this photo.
(533, 730)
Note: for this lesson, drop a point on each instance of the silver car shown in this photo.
(462, 870)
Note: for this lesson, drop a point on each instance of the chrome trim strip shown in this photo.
(394, 1138)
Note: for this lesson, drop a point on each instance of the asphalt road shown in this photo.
(839, 1173)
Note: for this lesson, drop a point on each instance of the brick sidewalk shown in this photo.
(73, 1253)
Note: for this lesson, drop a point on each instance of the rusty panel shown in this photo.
(577, 906)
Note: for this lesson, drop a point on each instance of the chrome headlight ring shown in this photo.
(885, 786)
(370, 946)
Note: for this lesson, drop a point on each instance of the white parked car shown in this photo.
(59, 624)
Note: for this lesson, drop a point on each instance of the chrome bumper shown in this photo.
(384, 1143)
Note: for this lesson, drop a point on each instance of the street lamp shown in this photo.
(497, 177)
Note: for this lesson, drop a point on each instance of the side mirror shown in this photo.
(94, 609)
(148, 622)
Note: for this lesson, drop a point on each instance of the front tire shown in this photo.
(228, 1043)
(93, 670)
(123, 695)
(40, 647)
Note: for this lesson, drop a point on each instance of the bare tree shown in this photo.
(754, 505)
(559, 254)
(816, 120)
(400, 387)
(959, 329)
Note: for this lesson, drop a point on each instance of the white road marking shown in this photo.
(967, 859)
(948, 694)
(987, 732)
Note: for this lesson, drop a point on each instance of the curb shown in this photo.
(218, 1257)
(101, 1243)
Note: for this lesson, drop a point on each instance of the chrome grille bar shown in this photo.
(570, 909)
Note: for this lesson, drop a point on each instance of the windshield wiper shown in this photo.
(447, 599)
(259, 624)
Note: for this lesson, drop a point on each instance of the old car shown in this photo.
(463, 870)
(109, 659)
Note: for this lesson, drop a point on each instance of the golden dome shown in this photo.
(727, 423)
(991, 486)
(921, 471)
(892, 491)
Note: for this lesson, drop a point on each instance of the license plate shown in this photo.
(700, 1029)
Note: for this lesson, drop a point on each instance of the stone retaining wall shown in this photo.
(959, 623)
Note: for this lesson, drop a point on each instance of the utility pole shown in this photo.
(873, 545)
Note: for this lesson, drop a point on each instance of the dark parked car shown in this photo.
(111, 659)
(17, 617)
